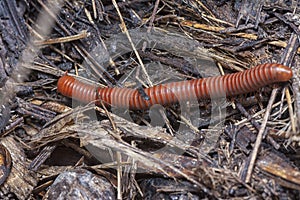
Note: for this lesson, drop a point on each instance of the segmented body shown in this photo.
(212, 87)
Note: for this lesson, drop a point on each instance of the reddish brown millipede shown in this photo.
(212, 87)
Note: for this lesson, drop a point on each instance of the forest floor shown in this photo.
(59, 141)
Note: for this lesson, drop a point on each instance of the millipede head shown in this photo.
(283, 73)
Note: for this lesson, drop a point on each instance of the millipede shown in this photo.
(227, 85)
